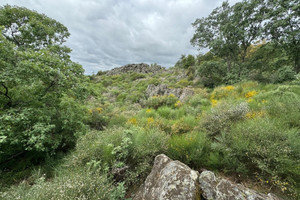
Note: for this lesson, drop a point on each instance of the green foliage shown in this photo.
(198, 100)
(248, 129)
(97, 119)
(184, 125)
(221, 117)
(115, 148)
(169, 113)
(136, 76)
(73, 184)
(186, 62)
(189, 148)
(211, 73)
(266, 147)
(41, 89)
(29, 29)
(158, 101)
(283, 27)
(229, 30)
(232, 34)
(183, 83)
(284, 104)
(285, 73)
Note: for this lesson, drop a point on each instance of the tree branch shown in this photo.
(6, 95)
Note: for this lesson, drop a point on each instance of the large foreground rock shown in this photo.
(169, 180)
(222, 189)
(173, 180)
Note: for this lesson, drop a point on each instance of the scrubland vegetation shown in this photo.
(64, 135)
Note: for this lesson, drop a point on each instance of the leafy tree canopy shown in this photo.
(40, 87)
(29, 29)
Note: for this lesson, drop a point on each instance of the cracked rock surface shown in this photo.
(173, 180)
(169, 180)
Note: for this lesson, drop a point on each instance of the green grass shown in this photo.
(249, 130)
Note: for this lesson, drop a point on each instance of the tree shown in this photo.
(40, 98)
(186, 61)
(229, 30)
(211, 72)
(283, 27)
(214, 32)
(29, 29)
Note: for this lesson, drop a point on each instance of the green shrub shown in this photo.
(184, 125)
(97, 119)
(285, 73)
(191, 148)
(198, 100)
(284, 103)
(121, 97)
(183, 83)
(211, 73)
(135, 76)
(134, 96)
(73, 184)
(266, 147)
(169, 113)
(97, 146)
(117, 120)
(40, 128)
(158, 101)
(222, 116)
(146, 144)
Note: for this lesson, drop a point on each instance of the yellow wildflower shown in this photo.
(253, 114)
(229, 88)
(213, 102)
(178, 104)
(264, 101)
(99, 109)
(171, 95)
(132, 121)
(249, 100)
(150, 120)
(148, 110)
(250, 94)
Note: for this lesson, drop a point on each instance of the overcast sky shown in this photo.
(111, 33)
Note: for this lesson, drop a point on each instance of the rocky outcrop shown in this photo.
(137, 68)
(181, 93)
(173, 180)
(169, 180)
(222, 189)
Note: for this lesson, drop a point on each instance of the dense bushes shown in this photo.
(265, 147)
(248, 130)
(158, 101)
(41, 112)
(70, 184)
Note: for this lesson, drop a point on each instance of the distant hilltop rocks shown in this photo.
(137, 68)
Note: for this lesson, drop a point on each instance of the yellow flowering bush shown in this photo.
(253, 114)
(158, 101)
(150, 120)
(148, 110)
(229, 87)
(97, 119)
(250, 94)
(213, 102)
(132, 121)
(99, 109)
(178, 104)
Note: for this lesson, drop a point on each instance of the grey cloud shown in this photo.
(111, 33)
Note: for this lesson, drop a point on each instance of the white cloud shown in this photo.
(111, 33)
